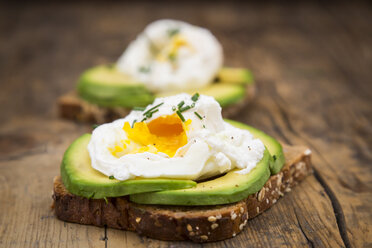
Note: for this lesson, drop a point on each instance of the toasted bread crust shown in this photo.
(71, 106)
(195, 223)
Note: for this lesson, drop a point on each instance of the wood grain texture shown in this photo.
(312, 64)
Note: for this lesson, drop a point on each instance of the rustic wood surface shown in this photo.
(313, 68)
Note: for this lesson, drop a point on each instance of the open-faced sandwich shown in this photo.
(167, 58)
(175, 170)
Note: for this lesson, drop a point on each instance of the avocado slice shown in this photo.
(105, 86)
(81, 179)
(229, 188)
(235, 75)
(274, 147)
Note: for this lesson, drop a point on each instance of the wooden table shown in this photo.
(312, 65)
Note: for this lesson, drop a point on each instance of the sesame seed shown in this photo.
(212, 218)
(214, 226)
(189, 227)
(241, 210)
(241, 226)
(267, 200)
(138, 219)
(258, 209)
(233, 215)
(192, 234)
(274, 201)
(261, 195)
(204, 237)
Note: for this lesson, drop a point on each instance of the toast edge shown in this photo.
(198, 224)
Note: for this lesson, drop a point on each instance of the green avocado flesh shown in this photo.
(81, 179)
(235, 75)
(106, 86)
(231, 187)
(274, 147)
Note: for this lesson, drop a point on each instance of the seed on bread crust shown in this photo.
(138, 219)
(241, 210)
(233, 215)
(241, 226)
(214, 226)
(261, 194)
(189, 227)
(204, 237)
(279, 180)
(212, 218)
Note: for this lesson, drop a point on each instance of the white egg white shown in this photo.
(213, 146)
(193, 65)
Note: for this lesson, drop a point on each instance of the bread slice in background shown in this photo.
(195, 223)
(73, 107)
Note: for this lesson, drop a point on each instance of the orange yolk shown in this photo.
(164, 134)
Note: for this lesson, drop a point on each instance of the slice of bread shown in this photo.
(195, 223)
(71, 106)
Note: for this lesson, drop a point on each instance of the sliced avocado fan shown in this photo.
(107, 87)
(81, 179)
(229, 188)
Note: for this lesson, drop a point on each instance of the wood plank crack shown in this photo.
(311, 243)
(337, 209)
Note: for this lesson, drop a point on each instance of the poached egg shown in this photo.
(181, 137)
(172, 55)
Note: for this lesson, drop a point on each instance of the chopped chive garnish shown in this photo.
(174, 108)
(274, 157)
(180, 115)
(94, 126)
(149, 115)
(173, 31)
(192, 105)
(105, 199)
(151, 109)
(195, 97)
(144, 69)
(203, 126)
(139, 108)
(181, 104)
(111, 177)
(133, 123)
(184, 109)
(197, 114)
(143, 119)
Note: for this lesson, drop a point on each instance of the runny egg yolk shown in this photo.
(164, 134)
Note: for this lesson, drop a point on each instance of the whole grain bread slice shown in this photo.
(195, 223)
(73, 107)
